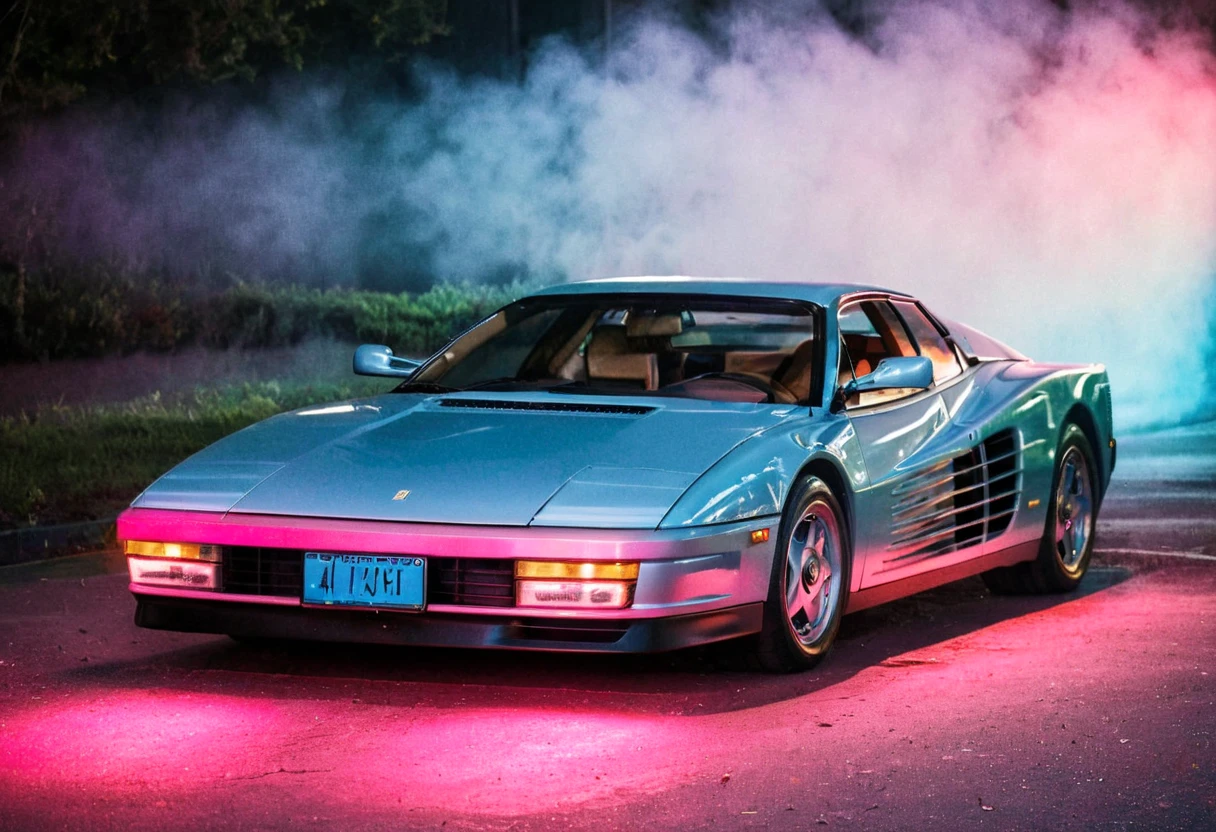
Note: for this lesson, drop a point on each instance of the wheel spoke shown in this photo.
(815, 539)
(812, 606)
(1074, 509)
(812, 564)
(793, 583)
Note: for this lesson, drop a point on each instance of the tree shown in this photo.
(56, 51)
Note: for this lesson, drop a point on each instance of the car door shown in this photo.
(905, 521)
(988, 459)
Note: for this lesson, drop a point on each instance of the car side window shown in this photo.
(871, 331)
(932, 345)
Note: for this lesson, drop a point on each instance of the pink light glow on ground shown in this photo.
(504, 761)
(516, 761)
(928, 704)
(132, 739)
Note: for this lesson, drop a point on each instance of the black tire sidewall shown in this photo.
(776, 632)
(1049, 557)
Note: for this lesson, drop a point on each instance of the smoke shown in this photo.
(1048, 176)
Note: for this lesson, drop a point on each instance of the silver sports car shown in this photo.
(640, 464)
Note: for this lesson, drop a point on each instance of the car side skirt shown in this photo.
(902, 588)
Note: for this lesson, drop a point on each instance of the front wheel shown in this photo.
(809, 583)
(1068, 537)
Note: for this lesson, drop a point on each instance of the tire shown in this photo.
(1068, 535)
(800, 626)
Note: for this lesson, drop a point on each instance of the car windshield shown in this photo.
(724, 349)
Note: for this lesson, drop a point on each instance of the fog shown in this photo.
(1048, 177)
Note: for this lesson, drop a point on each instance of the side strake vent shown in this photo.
(549, 407)
(960, 502)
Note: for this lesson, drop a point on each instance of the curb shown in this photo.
(43, 542)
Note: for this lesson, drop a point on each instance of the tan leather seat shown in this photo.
(609, 359)
(861, 368)
(763, 364)
(794, 373)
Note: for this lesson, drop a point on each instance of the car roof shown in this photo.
(822, 294)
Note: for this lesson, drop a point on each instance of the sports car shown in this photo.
(639, 465)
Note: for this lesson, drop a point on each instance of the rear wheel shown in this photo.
(1068, 537)
(809, 583)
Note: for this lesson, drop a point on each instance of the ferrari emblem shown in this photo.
(401, 495)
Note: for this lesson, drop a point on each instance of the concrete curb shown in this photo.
(42, 542)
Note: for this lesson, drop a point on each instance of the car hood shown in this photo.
(469, 459)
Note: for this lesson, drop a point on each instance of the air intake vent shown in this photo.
(569, 630)
(253, 570)
(967, 500)
(1004, 487)
(478, 582)
(548, 407)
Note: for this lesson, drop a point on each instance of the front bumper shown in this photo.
(513, 632)
(694, 586)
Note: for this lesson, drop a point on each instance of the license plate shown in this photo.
(384, 581)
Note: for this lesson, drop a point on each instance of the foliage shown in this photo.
(52, 53)
(104, 310)
(66, 464)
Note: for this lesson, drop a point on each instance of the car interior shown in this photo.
(723, 351)
(870, 332)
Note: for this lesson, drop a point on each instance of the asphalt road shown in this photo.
(950, 710)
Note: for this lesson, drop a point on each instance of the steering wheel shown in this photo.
(773, 391)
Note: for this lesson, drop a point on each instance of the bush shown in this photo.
(103, 310)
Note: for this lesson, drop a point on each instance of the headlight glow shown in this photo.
(183, 551)
(566, 570)
(609, 595)
(186, 574)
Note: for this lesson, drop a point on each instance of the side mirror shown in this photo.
(378, 360)
(914, 371)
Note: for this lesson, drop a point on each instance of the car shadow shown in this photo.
(699, 681)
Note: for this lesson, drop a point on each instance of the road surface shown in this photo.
(950, 710)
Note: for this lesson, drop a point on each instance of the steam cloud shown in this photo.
(1048, 177)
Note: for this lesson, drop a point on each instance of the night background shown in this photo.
(205, 206)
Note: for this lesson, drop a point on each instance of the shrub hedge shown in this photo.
(103, 311)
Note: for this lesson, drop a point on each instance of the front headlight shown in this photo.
(184, 565)
(185, 551)
(574, 585)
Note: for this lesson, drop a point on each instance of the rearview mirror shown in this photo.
(913, 371)
(378, 360)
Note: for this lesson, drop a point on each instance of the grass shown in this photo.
(81, 463)
(67, 464)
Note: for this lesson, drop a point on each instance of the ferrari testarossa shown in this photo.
(638, 465)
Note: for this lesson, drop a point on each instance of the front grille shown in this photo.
(480, 582)
(254, 570)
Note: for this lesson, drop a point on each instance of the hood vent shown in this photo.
(548, 407)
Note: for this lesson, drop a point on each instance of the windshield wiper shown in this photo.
(490, 382)
(566, 386)
(582, 388)
(424, 387)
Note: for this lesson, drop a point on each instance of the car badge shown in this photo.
(401, 495)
